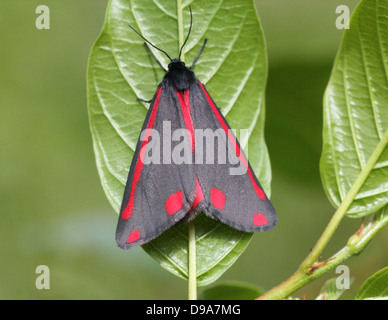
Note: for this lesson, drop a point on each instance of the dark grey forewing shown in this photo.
(231, 199)
(157, 182)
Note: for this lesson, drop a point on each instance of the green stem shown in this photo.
(355, 245)
(304, 275)
(192, 263)
(344, 206)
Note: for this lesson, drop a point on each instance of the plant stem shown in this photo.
(192, 263)
(304, 274)
(300, 279)
(345, 204)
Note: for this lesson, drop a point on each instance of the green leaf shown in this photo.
(376, 287)
(231, 290)
(330, 291)
(234, 68)
(356, 111)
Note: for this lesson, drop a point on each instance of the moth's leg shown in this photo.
(143, 100)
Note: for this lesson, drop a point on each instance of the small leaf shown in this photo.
(231, 290)
(330, 290)
(356, 111)
(376, 287)
(234, 68)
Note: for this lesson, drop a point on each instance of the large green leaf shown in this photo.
(376, 287)
(234, 68)
(356, 111)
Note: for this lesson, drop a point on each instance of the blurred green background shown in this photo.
(53, 210)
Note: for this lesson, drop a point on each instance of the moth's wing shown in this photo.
(229, 188)
(158, 193)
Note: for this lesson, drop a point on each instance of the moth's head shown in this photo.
(179, 75)
(176, 64)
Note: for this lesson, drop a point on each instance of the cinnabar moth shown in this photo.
(158, 195)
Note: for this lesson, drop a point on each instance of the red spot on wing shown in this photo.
(234, 143)
(127, 212)
(217, 198)
(174, 202)
(135, 235)
(259, 219)
(260, 193)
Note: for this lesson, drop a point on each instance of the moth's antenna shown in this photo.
(150, 42)
(188, 34)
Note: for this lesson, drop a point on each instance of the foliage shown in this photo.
(354, 161)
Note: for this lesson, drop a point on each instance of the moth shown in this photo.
(161, 193)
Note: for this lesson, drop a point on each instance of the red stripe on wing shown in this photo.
(259, 191)
(199, 197)
(184, 102)
(127, 212)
